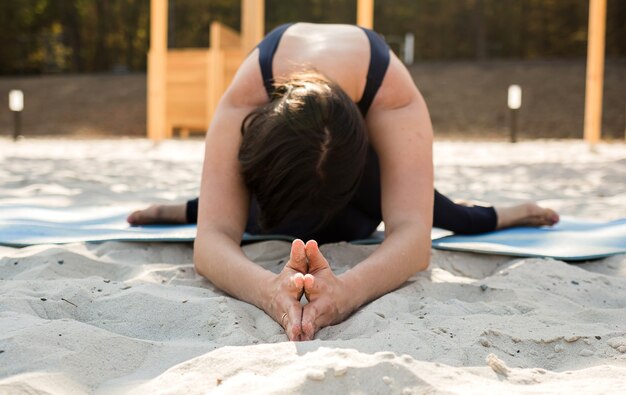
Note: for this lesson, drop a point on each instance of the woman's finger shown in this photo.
(309, 282)
(311, 287)
(310, 315)
(296, 282)
(293, 322)
(297, 257)
(317, 261)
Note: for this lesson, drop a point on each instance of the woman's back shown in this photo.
(340, 52)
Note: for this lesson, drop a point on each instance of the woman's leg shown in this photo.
(363, 214)
(360, 217)
(191, 211)
(459, 218)
(474, 219)
(349, 223)
(463, 219)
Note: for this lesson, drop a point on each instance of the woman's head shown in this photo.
(304, 152)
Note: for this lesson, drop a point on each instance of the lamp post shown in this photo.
(409, 49)
(16, 105)
(514, 102)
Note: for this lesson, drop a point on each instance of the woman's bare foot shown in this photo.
(525, 214)
(160, 214)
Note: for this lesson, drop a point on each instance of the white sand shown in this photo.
(135, 318)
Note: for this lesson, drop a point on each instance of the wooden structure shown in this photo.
(185, 85)
(157, 70)
(365, 13)
(595, 71)
(252, 23)
(197, 78)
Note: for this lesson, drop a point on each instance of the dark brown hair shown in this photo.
(303, 153)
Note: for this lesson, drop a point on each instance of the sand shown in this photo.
(135, 318)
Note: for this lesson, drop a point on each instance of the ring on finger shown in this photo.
(282, 319)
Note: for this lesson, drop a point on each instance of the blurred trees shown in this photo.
(73, 35)
(480, 29)
(44, 36)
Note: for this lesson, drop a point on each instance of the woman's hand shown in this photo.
(285, 292)
(329, 298)
(307, 272)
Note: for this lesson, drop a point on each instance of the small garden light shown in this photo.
(16, 104)
(514, 102)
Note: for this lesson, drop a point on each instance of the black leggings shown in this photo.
(360, 218)
(353, 224)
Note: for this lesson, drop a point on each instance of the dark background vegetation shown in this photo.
(82, 63)
(44, 36)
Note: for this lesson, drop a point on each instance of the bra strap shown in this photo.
(379, 62)
(267, 48)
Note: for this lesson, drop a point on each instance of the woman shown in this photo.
(321, 135)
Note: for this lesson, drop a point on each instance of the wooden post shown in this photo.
(215, 80)
(252, 23)
(157, 66)
(365, 13)
(595, 71)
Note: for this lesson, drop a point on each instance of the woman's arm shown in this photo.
(223, 211)
(403, 139)
(401, 133)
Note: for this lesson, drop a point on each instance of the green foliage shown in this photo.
(73, 35)
(313, 11)
(43, 36)
(189, 20)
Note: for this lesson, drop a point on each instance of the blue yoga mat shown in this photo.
(571, 239)
(23, 226)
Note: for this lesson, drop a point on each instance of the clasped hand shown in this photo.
(307, 273)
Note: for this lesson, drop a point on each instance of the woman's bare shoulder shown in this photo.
(398, 113)
(398, 88)
(247, 88)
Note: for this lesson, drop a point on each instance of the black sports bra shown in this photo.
(379, 62)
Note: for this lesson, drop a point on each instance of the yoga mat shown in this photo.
(571, 239)
(22, 226)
